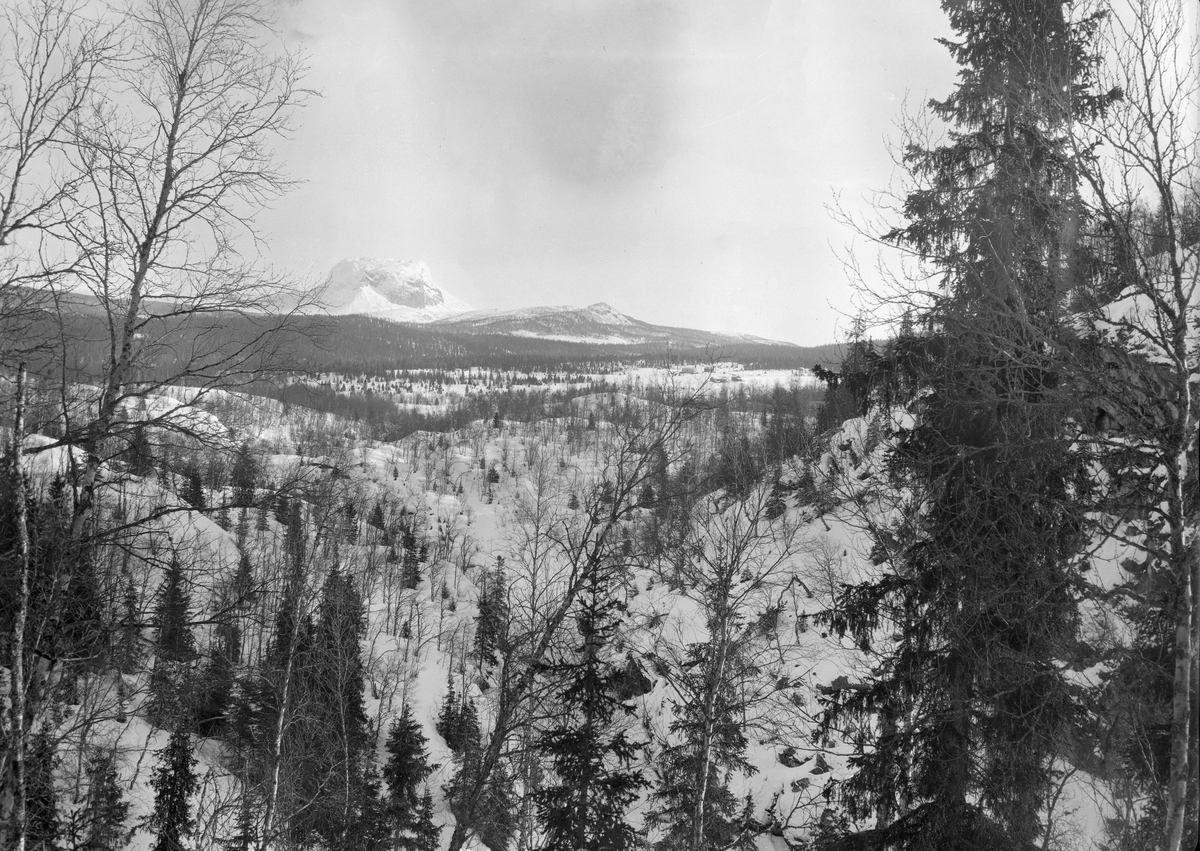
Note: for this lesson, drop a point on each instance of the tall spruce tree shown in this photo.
(966, 707)
(449, 720)
(244, 476)
(127, 644)
(43, 826)
(193, 488)
(175, 649)
(491, 626)
(337, 679)
(427, 833)
(494, 817)
(216, 682)
(106, 809)
(138, 454)
(174, 782)
(405, 770)
(585, 809)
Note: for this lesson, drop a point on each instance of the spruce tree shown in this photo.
(244, 476)
(43, 827)
(242, 532)
(243, 581)
(491, 626)
(174, 782)
(449, 720)
(172, 616)
(426, 832)
(85, 634)
(295, 542)
(106, 808)
(217, 681)
(695, 769)
(175, 650)
(494, 816)
(245, 832)
(138, 454)
(584, 810)
(337, 678)
(370, 825)
(405, 770)
(411, 570)
(966, 708)
(470, 736)
(193, 489)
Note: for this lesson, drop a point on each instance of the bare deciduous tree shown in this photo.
(561, 550)
(736, 566)
(1143, 191)
(135, 150)
(54, 57)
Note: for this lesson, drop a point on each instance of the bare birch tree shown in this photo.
(565, 547)
(736, 566)
(135, 150)
(1143, 191)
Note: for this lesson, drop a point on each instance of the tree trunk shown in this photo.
(1191, 833)
(712, 688)
(1186, 558)
(1182, 696)
(459, 836)
(17, 821)
(1177, 782)
(272, 801)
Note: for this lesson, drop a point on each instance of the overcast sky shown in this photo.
(671, 157)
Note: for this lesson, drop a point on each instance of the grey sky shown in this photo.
(671, 157)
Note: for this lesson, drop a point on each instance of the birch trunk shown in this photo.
(17, 819)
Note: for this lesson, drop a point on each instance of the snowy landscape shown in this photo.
(341, 562)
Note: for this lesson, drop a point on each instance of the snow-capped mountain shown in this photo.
(598, 323)
(400, 290)
(404, 291)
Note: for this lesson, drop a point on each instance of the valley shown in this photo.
(302, 551)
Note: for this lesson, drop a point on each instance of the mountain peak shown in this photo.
(395, 289)
(606, 314)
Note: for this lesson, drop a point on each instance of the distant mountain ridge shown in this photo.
(404, 291)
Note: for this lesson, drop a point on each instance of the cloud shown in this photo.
(584, 90)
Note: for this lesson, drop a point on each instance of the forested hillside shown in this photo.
(362, 344)
(264, 588)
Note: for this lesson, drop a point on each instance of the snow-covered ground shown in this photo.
(467, 522)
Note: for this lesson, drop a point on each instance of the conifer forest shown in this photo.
(277, 580)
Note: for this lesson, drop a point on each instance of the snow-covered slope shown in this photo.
(418, 640)
(400, 290)
(597, 323)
